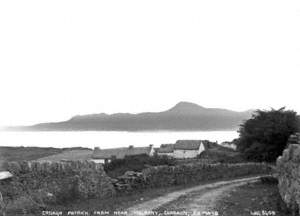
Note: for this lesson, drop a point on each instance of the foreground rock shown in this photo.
(288, 174)
(129, 181)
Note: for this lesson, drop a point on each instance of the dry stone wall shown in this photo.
(184, 174)
(56, 181)
(288, 174)
(195, 173)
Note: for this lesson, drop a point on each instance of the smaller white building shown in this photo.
(107, 155)
(229, 145)
(166, 149)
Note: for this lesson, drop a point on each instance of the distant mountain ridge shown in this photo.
(184, 116)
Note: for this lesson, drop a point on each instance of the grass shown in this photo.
(69, 155)
(8, 154)
(26, 153)
(221, 155)
(31, 153)
(253, 198)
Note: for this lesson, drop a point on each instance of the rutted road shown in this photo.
(199, 198)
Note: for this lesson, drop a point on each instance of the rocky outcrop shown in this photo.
(130, 181)
(288, 174)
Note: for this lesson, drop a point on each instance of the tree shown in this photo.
(264, 136)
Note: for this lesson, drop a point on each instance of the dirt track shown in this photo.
(199, 198)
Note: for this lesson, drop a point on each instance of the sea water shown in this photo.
(105, 139)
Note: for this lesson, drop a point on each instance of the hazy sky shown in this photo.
(59, 58)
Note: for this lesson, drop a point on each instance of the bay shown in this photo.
(106, 139)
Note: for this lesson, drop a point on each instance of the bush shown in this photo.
(136, 163)
(227, 156)
(264, 136)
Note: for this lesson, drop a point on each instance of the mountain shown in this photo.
(184, 116)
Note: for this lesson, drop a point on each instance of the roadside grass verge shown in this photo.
(260, 198)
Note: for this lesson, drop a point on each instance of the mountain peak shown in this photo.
(186, 107)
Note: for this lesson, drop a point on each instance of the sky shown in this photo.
(60, 58)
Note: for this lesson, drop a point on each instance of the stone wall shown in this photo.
(288, 174)
(56, 182)
(186, 174)
(195, 173)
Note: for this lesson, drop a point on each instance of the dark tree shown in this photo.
(264, 136)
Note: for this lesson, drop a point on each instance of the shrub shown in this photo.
(136, 163)
(221, 156)
(264, 136)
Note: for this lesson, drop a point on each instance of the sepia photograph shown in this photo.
(149, 108)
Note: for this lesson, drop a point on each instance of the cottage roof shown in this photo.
(166, 148)
(187, 144)
(120, 153)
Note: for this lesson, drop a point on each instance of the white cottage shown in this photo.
(188, 148)
(182, 149)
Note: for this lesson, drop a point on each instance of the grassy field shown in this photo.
(35, 153)
(69, 155)
(26, 153)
